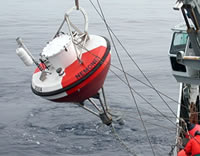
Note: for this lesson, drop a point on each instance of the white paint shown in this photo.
(60, 52)
(51, 83)
(56, 45)
(54, 97)
(24, 56)
(53, 80)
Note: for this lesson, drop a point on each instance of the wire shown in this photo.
(121, 141)
(163, 115)
(150, 87)
(144, 98)
(131, 57)
(145, 84)
(158, 125)
(138, 110)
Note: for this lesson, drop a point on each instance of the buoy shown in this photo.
(24, 56)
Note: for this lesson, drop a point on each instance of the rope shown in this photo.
(128, 84)
(181, 130)
(150, 86)
(144, 99)
(180, 119)
(139, 113)
(191, 137)
(117, 137)
(135, 90)
(144, 83)
(161, 126)
(137, 93)
(110, 30)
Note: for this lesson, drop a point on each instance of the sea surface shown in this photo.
(32, 126)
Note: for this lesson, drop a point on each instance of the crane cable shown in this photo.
(114, 131)
(110, 30)
(150, 87)
(142, 97)
(138, 110)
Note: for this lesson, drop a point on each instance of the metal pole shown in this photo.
(89, 110)
(60, 28)
(94, 104)
(75, 48)
(102, 106)
(104, 97)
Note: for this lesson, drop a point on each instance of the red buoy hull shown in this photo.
(89, 87)
(79, 81)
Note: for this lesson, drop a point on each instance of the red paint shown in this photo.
(76, 68)
(181, 153)
(192, 131)
(196, 128)
(89, 87)
(38, 70)
(193, 146)
(76, 71)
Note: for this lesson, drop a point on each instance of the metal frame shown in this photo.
(101, 108)
(81, 35)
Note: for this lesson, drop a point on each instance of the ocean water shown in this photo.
(32, 126)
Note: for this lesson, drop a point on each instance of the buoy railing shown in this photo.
(78, 37)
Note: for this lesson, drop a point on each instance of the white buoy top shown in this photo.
(60, 52)
(56, 45)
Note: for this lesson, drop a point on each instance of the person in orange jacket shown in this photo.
(192, 128)
(181, 153)
(193, 146)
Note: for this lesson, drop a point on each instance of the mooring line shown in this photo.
(123, 144)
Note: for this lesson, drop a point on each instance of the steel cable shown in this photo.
(139, 113)
(131, 57)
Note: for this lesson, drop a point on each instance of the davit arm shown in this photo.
(191, 13)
